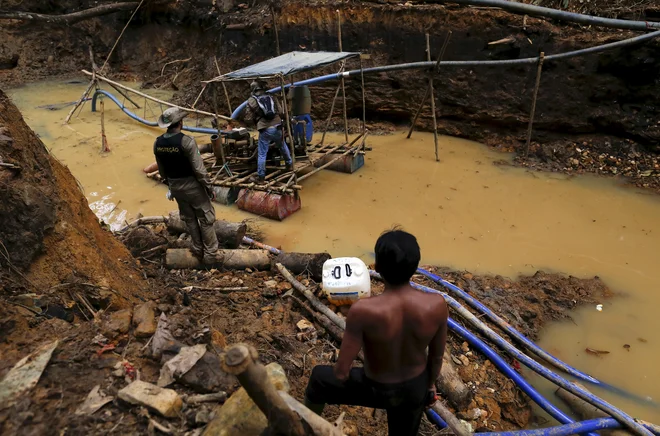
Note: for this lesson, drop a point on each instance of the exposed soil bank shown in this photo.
(606, 101)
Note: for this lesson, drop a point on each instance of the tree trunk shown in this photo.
(182, 258)
(71, 18)
(451, 386)
(230, 235)
(300, 263)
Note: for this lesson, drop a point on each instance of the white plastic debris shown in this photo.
(599, 307)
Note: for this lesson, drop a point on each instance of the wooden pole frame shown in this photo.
(217, 125)
(224, 88)
(288, 131)
(533, 110)
(332, 109)
(428, 89)
(432, 92)
(343, 83)
(364, 98)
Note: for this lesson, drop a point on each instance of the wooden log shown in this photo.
(241, 360)
(230, 235)
(453, 423)
(315, 302)
(451, 386)
(144, 221)
(182, 258)
(585, 410)
(300, 263)
(68, 19)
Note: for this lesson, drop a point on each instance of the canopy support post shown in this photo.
(288, 131)
(332, 109)
(277, 33)
(217, 126)
(343, 84)
(364, 98)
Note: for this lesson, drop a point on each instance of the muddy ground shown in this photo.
(260, 316)
(602, 105)
(64, 277)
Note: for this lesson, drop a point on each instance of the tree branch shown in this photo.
(68, 19)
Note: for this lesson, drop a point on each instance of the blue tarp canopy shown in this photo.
(286, 64)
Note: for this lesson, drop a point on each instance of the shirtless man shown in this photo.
(395, 329)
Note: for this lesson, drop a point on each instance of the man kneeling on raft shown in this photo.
(394, 329)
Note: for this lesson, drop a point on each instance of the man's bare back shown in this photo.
(397, 327)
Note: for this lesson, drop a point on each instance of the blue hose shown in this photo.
(526, 342)
(424, 65)
(436, 419)
(587, 396)
(142, 120)
(527, 361)
(590, 425)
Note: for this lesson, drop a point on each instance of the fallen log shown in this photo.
(72, 18)
(585, 410)
(300, 263)
(230, 235)
(182, 258)
(241, 361)
(453, 423)
(144, 221)
(451, 386)
(316, 303)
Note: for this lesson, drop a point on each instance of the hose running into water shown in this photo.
(124, 109)
(526, 342)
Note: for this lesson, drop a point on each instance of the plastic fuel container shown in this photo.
(346, 280)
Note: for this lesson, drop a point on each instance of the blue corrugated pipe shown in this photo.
(436, 419)
(142, 120)
(590, 425)
(527, 361)
(526, 342)
(587, 396)
(423, 65)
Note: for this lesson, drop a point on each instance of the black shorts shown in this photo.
(404, 402)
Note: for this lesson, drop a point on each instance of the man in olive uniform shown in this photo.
(265, 112)
(182, 169)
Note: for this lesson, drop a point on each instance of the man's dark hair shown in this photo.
(397, 256)
(174, 126)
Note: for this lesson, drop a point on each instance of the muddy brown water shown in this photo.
(466, 212)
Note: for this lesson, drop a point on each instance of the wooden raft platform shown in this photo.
(237, 172)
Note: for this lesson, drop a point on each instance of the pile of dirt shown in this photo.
(54, 254)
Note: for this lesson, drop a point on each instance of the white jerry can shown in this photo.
(346, 280)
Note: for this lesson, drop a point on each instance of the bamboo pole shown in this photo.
(217, 125)
(533, 111)
(104, 141)
(343, 84)
(199, 95)
(364, 98)
(288, 131)
(332, 109)
(435, 121)
(277, 33)
(453, 423)
(428, 89)
(224, 87)
(148, 97)
(315, 302)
